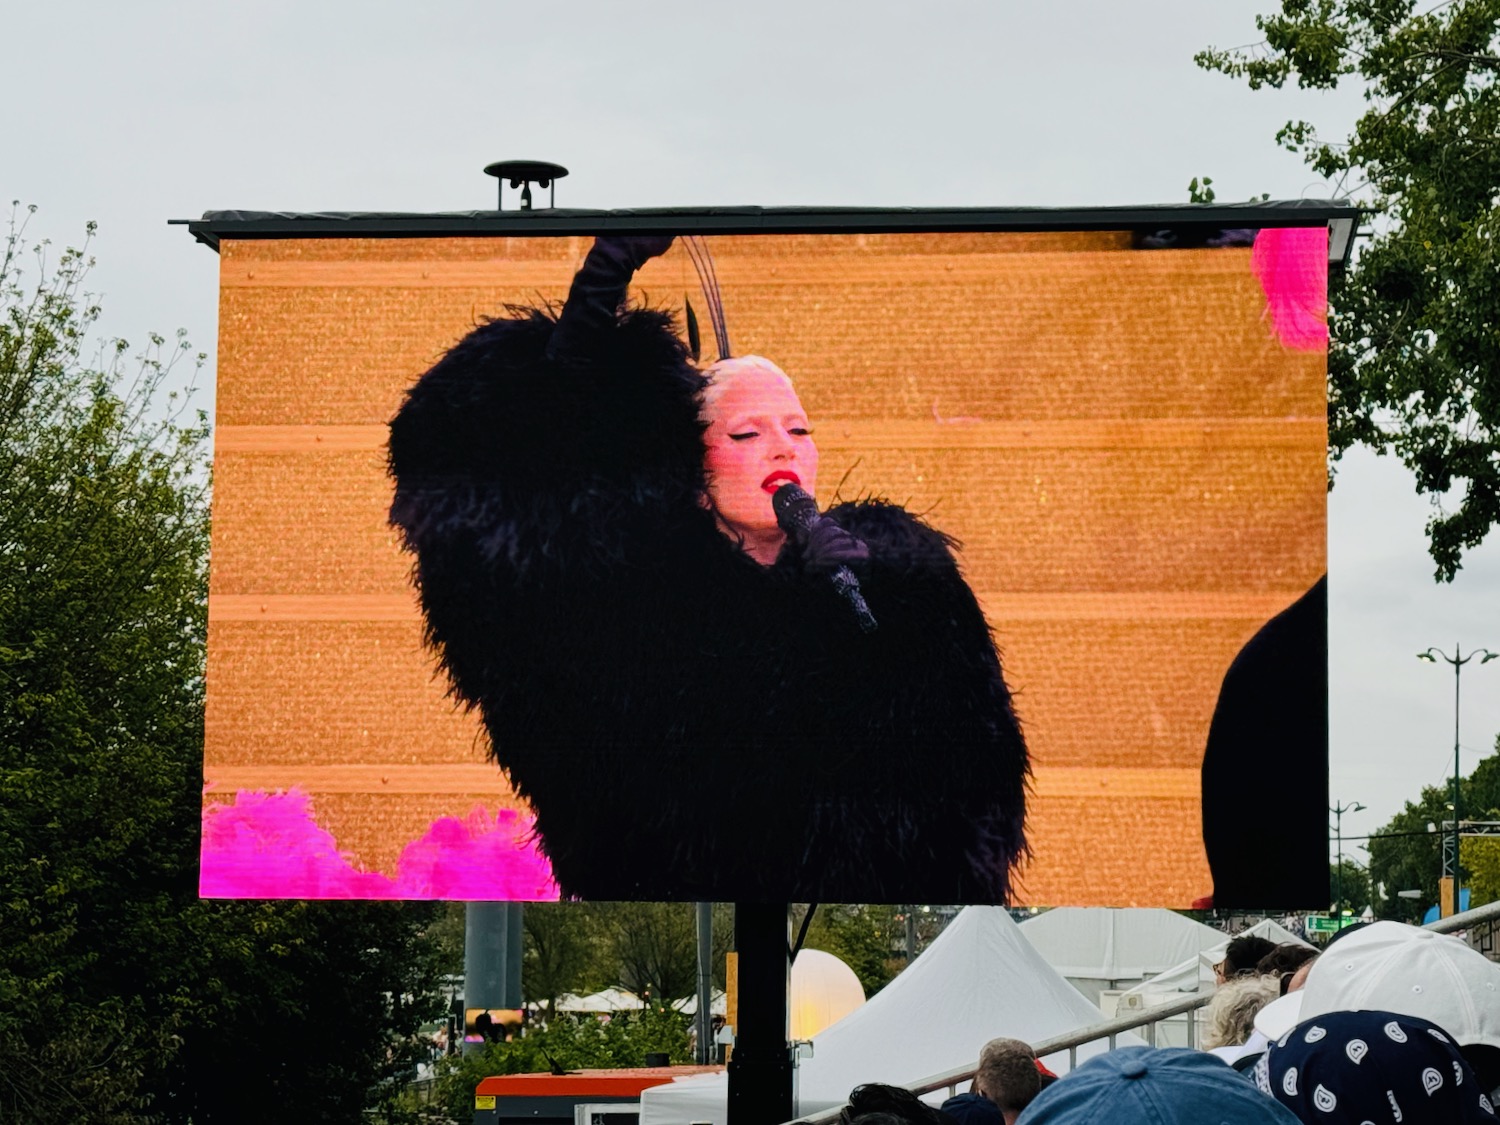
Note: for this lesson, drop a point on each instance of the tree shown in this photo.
(1481, 858)
(562, 953)
(1414, 361)
(103, 537)
(1481, 793)
(1351, 884)
(1406, 854)
(866, 938)
(871, 939)
(654, 946)
(122, 996)
(649, 948)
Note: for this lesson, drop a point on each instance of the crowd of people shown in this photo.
(1389, 1025)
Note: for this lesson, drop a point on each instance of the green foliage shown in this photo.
(1480, 856)
(871, 939)
(104, 538)
(1481, 859)
(567, 1042)
(322, 1001)
(447, 935)
(124, 998)
(868, 939)
(653, 946)
(565, 951)
(1414, 359)
(1481, 793)
(583, 947)
(1350, 884)
(1405, 855)
(1201, 191)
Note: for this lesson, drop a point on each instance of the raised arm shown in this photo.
(598, 291)
(539, 447)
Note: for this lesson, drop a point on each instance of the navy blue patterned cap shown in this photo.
(1373, 1068)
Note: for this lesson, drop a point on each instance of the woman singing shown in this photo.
(675, 684)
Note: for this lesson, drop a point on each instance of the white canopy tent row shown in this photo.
(1101, 948)
(980, 979)
(609, 1000)
(824, 990)
(620, 1000)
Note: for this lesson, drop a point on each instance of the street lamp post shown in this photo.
(1338, 811)
(1458, 660)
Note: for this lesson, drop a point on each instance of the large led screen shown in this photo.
(501, 607)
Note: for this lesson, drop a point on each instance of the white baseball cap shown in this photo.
(1280, 1015)
(1393, 967)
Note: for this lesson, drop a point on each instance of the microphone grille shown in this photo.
(794, 508)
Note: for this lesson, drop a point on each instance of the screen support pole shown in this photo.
(760, 1068)
(704, 1019)
(492, 957)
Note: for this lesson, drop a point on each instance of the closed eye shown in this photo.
(746, 436)
(800, 431)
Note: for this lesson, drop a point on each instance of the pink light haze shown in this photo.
(1291, 264)
(268, 845)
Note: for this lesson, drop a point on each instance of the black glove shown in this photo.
(599, 289)
(826, 546)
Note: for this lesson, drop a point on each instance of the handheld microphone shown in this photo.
(797, 514)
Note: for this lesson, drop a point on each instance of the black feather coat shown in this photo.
(686, 723)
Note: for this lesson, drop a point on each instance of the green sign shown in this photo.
(1319, 924)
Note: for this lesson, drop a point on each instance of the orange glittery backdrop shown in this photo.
(1133, 463)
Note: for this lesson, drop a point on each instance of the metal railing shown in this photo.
(1110, 1030)
(1482, 924)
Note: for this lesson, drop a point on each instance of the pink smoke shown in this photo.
(268, 845)
(1291, 264)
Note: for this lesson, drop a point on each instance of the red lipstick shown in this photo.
(779, 478)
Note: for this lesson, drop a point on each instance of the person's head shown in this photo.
(1007, 1075)
(1298, 980)
(1241, 957)
(875, 1103)
(1390, 966)
(974, 1109)
(1231, 1013)
(1285, 960)
(1348, 1068)
(1153, 1086)
(756, 436)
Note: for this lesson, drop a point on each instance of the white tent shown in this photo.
(718, 1004)
(610, 1000)
(1099, 948)
(980, 979)
(1196, 973)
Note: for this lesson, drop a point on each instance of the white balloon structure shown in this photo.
(824, 991)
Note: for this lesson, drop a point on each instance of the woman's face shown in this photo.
(757, 438)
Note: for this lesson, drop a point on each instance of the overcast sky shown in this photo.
(131, 114)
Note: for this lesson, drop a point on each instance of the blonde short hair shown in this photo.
(719, 376)
(1231, 1013)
